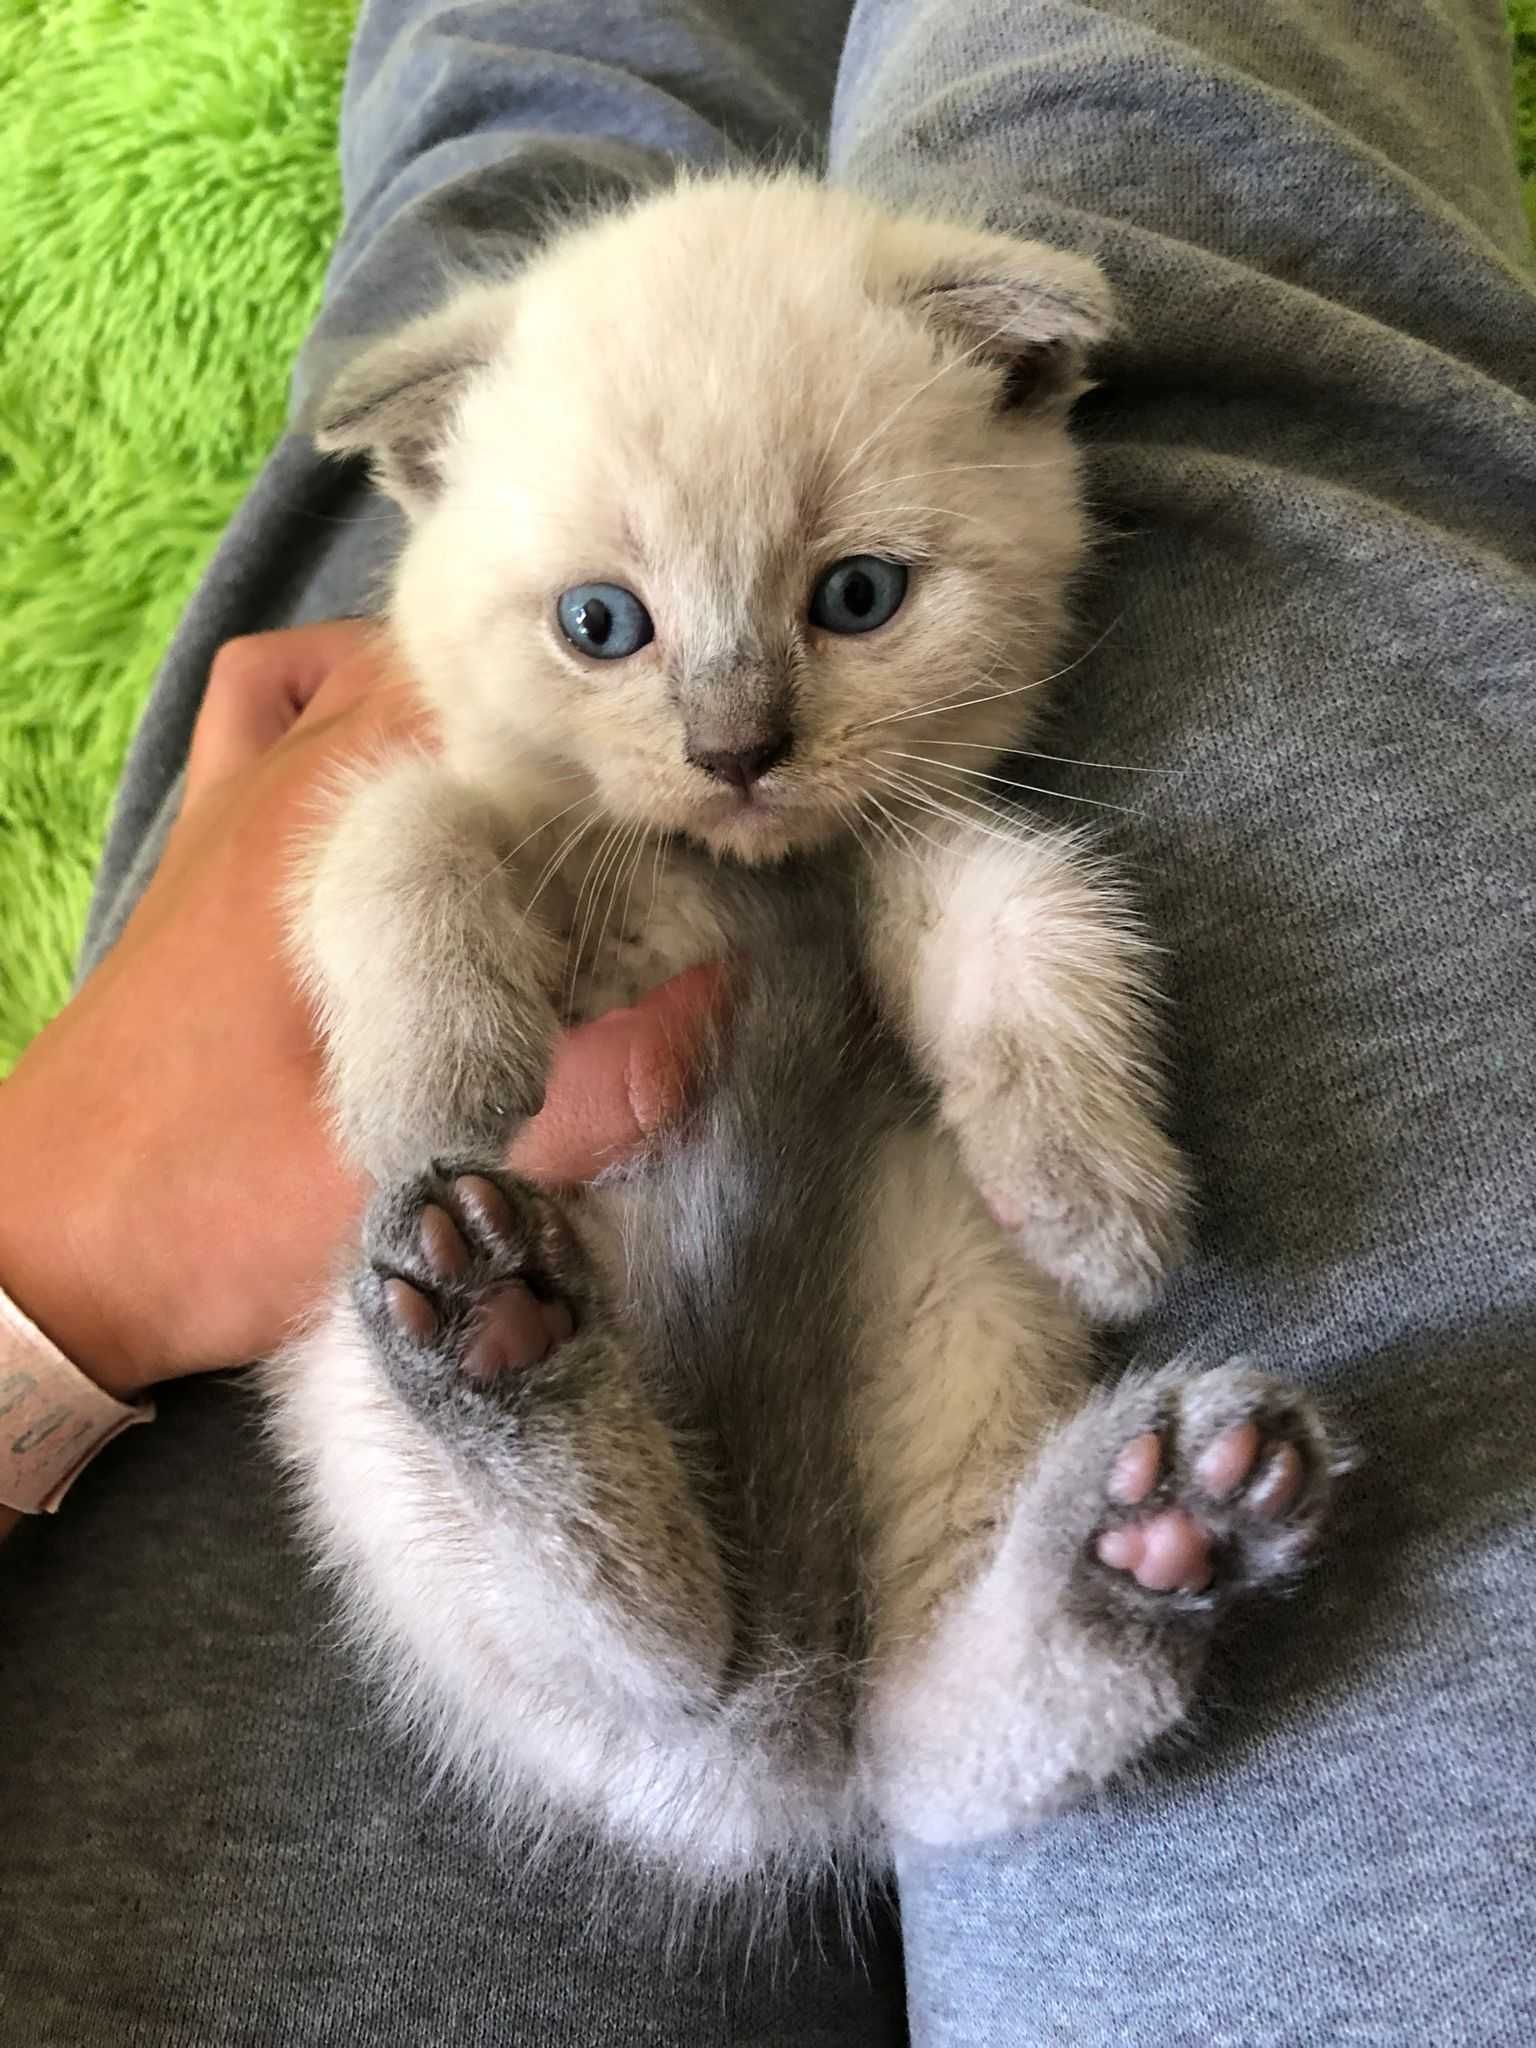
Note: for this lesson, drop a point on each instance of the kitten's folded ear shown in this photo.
(397, 401)
(1037, 312)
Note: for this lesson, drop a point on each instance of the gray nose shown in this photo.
(742, 766)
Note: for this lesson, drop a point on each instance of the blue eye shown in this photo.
(858, 594)
(605, 620)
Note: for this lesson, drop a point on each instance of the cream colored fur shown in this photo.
(707, 398)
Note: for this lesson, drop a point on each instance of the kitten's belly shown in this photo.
(965, 1356)
(849, 1360)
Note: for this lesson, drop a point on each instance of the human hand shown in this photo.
(173, 1199)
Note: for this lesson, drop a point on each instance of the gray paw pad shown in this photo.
(469, 1271)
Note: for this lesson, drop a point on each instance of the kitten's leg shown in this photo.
(432, 982)
(1019, 977)
(1083, 1637)
(513, 1531)
(489, 1321)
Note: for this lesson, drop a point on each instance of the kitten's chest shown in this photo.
(632, 917)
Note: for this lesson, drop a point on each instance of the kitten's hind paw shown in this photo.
(1151, 1509)
(1218, 1487)
(469, 1275)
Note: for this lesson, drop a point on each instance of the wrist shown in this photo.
(70, 1312)
(55, 1266)
(55, 1418)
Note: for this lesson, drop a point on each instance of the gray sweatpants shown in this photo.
(1315, 446)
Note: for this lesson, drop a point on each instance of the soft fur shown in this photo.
(791, 1547)
(177, 318)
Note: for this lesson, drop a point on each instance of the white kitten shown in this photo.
(752, 1507)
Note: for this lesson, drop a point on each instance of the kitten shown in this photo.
(753, 1508)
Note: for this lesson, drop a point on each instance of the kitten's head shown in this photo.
(751, 502)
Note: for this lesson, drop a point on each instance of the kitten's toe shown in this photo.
(1222, 1487)
(473, 1274)
(411, 1313)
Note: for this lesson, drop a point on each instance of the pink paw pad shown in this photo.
(1269, 1476)
(1169, 1552)
(1135, 1471)
(1169, 1548)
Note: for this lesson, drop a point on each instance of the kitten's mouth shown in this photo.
(757, 825)
(738, 804)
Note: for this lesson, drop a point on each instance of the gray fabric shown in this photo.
(1313, 451)
(1313, 444)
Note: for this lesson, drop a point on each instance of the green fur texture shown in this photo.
(168, 194)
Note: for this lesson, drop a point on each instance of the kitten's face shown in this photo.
(731, 526)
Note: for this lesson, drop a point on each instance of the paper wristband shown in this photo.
(53, 1420)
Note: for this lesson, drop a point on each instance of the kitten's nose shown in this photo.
(742, 766)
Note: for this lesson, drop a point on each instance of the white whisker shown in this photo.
(948, 698)
(1035, 754)
(855, 390)
(661, 842)
(552, 865)
(928, 800)
(944, 369)
(995, 696)
(1012, 782)
(507, 859)
(939, 511)
(901, 831)
(848, 817)
(629, 892)
(588, 894)
(877, 483)
(635, 843)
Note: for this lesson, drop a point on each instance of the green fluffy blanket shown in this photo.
(168, 193)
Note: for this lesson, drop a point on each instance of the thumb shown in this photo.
(258, 687)
(615, 1082)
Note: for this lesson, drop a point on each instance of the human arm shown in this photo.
(173, 1197)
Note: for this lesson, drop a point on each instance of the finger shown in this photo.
(372, 689)
(258, 687)
(617, 1081)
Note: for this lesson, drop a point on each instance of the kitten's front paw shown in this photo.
(470, 1275)
(455, 1108)
(1219, 1488)
(1107, 1229)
